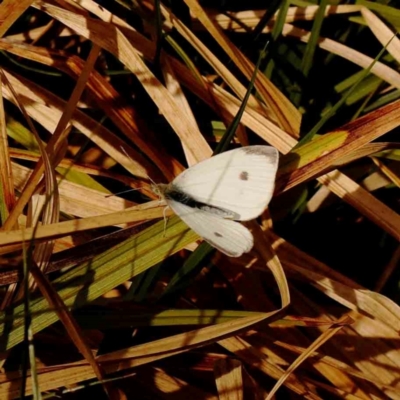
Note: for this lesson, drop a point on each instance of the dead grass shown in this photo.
(92, 105)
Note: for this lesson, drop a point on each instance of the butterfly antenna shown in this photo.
(148, 177)
(124, 191)
(124, 151)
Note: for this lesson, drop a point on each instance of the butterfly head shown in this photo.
(159, 189)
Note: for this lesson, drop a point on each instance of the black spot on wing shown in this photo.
(244, 176)
(217, 234)
(268, 151)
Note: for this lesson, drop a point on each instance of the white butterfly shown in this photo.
(211, 195)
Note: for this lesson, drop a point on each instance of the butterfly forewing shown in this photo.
(240, 181)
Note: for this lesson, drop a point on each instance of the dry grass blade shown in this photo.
(188, 340)
(144, 212)
(288, 117)
(383, 33)
(158, 382)
(75, 199)
(46, 108)
(367, 150)
(389, 269)
(252, 17)
(381, 70)
(10, 11)
(254, 358)
(268, 255)
(88, 169)
(391, 175)
(56, 140)
(363, 201)
(174, 87)
(314, 346)
(48, 209)
(70, 325)
(229, 104)
(159, 97)
(318, 358)
(216, 64)
(229, 380)
(110, 38)
(56, 376)
(321, 153)
(123, 115)
(337, 286)
(6, 178)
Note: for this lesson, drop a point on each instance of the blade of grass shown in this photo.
(104, 272)
(7, 195)
(142, 212)
(287, 115)
(313, 347)
(10, 11)
(72, 328)
(58, 137)
(228, 379)
(317, 127)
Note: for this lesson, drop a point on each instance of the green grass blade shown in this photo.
(94, 278)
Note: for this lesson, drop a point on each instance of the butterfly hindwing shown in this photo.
(230, 237)
(240, 181)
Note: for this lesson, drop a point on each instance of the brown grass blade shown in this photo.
(319, 358)
(216, 64)
(173, 86)
(228, 378)
(75, 199)
(46, 108)
(367, 150)
(56, 140)
(363, 201)
(381, 70)
(337, 286)
(160, 383)
(388, 270)
(10, 11)
(391, 175)
(49, 209)
(70, 325)
(143, 212)
(111, 39)
(383, 33)
(321, 153)
(314, 346)
(254, 358)
(89, 169)
(250, 18)
(6, 177)
(271, 260)
(287, 115)
(124, 116)
(56, 376)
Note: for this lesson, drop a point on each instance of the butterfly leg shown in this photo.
(165, 218)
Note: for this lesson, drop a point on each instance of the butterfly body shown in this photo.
(233, 186)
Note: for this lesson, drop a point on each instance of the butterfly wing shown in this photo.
(240, 180)
(230, 237)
